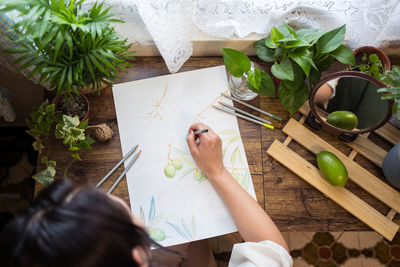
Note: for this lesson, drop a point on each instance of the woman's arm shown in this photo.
(252, 221)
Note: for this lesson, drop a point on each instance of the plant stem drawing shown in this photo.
(188, 233)
(219, 97)
(157, 106)
(157, 234)
(173, 165)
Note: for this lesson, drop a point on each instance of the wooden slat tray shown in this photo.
(342, 196)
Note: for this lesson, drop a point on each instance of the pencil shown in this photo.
(244, 112)
(252, 107)
(200, 131)
(245, 117)
(124, 172)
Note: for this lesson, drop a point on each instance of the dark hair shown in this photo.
(72, 226)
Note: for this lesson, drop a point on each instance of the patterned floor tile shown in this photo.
(370, 262)
(350, 240)
(368, 239)
(355, 262)
(297, 240)
(300, 263)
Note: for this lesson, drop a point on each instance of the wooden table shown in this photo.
(293, 204)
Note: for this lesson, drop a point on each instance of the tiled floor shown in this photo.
(349, 249)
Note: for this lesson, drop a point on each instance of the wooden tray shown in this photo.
(298, 132)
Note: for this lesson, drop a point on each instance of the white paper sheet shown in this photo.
(156, 114)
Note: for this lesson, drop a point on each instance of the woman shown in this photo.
(71, 226)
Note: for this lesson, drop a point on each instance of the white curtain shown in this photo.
(171, 23)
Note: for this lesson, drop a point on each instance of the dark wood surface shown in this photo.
(292, 203)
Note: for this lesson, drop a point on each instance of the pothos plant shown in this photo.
(300, 57)
(67, 128)
(392, 78)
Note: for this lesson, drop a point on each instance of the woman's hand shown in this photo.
(208, 154)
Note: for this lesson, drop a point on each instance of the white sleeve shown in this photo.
(333, 83)
(264, 253)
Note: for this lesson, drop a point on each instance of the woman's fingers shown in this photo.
(191, 141)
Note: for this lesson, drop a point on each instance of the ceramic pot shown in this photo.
(55, 100)
(374, 50)
(391, 166)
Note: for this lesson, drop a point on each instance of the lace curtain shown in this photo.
(170, 23)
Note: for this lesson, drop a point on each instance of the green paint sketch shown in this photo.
(231, 140)
(157, 234)
(177, 160)
(188, 233)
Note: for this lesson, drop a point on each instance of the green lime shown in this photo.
(343, 119)
(177, 163)
(169, 171)
(332, 168)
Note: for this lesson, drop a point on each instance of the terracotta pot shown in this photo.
(374, 50)
(55, 100)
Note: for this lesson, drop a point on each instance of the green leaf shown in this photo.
(331, 40)
(254, 77)
(284, 70)
(292, 100)
(71, 121)
(302, 57)
(46, 177)
(84, 124)
(267, 87)
(263, 52)
(50, 109)
(276, 35)
(373, 58)
(38, 146)
(297, 43)
(269, 43)
(298, 79)
(236, 62)
(314, 77)
(76, 156)
(75, 132)
(344, 55)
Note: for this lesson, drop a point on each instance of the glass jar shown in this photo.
(238, 86)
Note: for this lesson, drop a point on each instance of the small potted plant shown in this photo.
(69, 48)
(67, 128)
(299, 58)
(379, 58)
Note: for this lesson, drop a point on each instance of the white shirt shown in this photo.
(263, 254)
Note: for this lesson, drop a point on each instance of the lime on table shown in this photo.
(332, 168)
(343, 119)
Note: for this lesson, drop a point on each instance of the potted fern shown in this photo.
(69, 48)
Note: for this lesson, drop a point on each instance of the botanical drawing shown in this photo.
(157, 234)
(218, 98)
(176, 163)
(188, 233)
(231, 140)
(157, 105)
